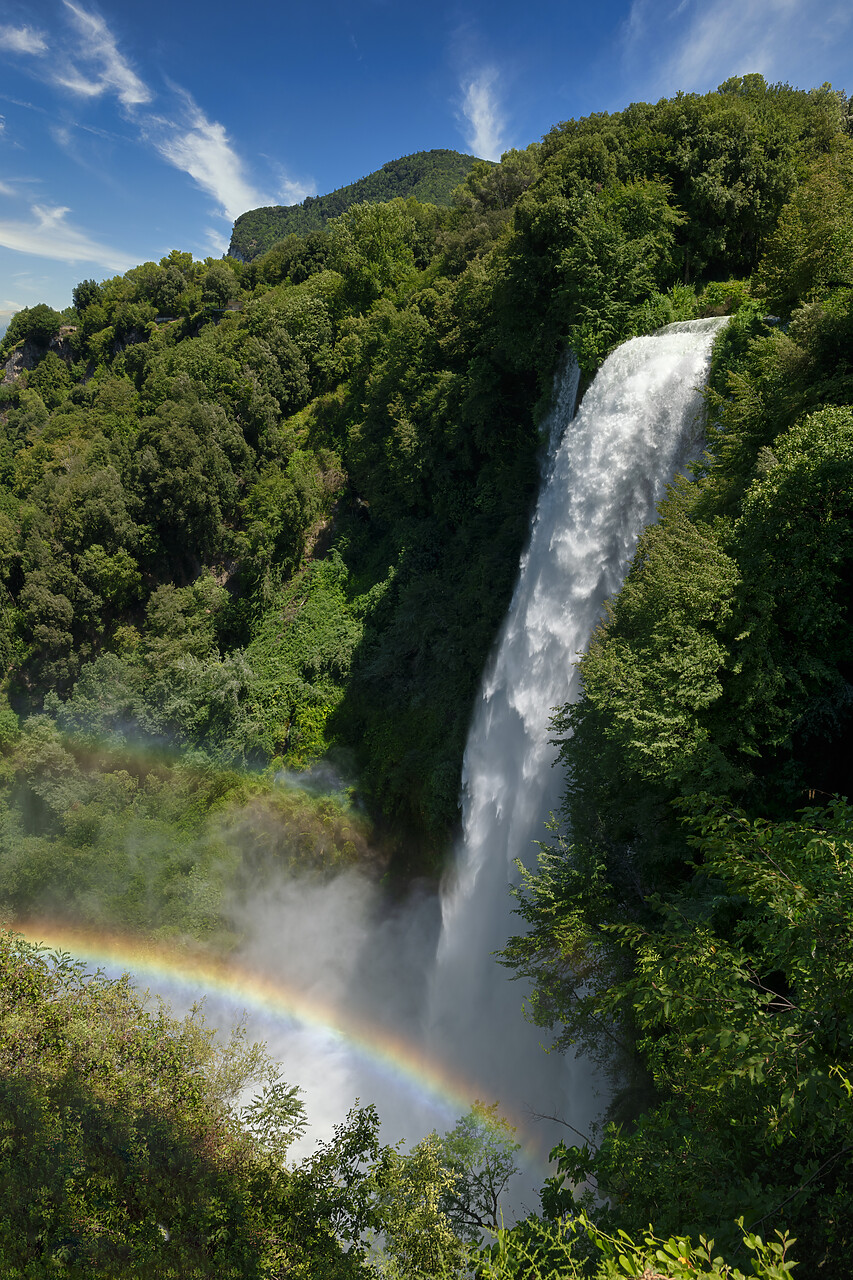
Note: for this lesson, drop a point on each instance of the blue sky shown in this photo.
(130, 130)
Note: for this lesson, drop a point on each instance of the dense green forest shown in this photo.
(430, 177)
(259, 515)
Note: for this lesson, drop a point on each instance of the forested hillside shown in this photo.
(428, 176)
(702, 882)
(260, 515)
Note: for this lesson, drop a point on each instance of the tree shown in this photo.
(738, 989)
(275, 1117)
(280, 509)
(419, 1240)
(122, 1149)
(372, 245)
(168, 290)
(119, 1150)
(218, 285)
(51, 379)
(38, 324)
(577, 1248)
(479, 1152)
(84, 294)
(440, 1197)
(621, 250)
(115, 578)
(811, 248)
(186, 479)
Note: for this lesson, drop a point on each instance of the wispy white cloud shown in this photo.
(27, 106)
(109, 70)
(217, 241)
(695, 44)
(483, 113)
(86, 61)
(292, 191)
(88, 64)
(738, 35)
(62, 136)
(202, 148)
(48, 234)
(22, 40)
(188, 140)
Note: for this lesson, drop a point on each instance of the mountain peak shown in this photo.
(430, 176)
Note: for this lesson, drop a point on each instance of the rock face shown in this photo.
(30, 352)
(15, 366)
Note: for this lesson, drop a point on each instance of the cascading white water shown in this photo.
(449, 999)
(639, 422)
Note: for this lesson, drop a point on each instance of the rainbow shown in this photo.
(192, 973)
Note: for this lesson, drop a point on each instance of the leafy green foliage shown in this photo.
(84, 294)
(704, 961)
(480, 1154)
(50, 379)
(122, 1152)
(418, 1239)
(373, 247)
(439, 1198)
(275, 1117)
(302, 653)
(579, 1249)
(219, 285)
(265, 511)
(810, 248)
(38, 324)
(735, 990)
(723, 662)
(373, 389)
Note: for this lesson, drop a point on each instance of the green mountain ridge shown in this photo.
(429, 176)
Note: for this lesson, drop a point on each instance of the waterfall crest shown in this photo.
(639, 423)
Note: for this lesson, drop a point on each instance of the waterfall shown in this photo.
(639, 423)
(424, 971)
